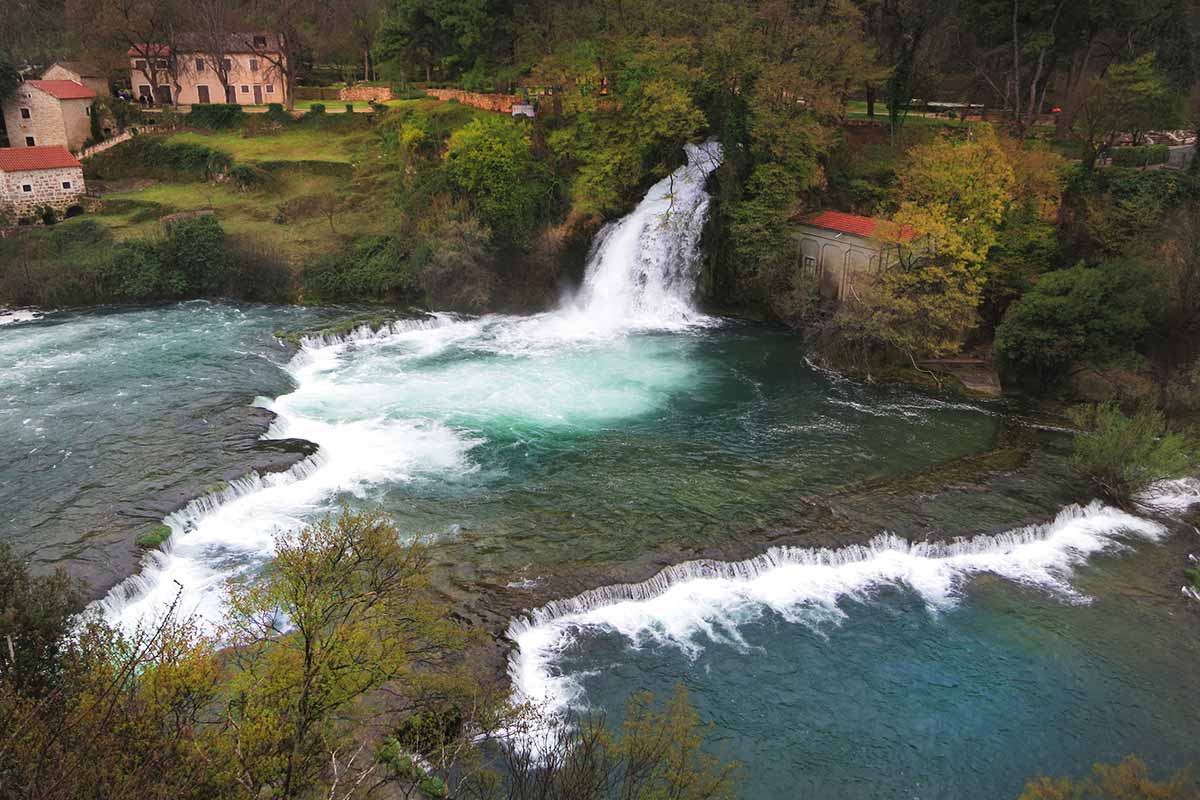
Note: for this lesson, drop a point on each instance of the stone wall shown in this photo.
(501, 103)
(380, 94)
(837, 260)
(45, 123)
(46, 189)
(77, 122)
(107, 144)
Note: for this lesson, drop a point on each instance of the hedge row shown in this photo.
(1141, 156)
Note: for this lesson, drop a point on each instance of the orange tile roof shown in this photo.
(867, 227)
(29, 159)
(63, 90)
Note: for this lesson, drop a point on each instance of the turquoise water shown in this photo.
(528, 448)
(898, 701)
(107, 415)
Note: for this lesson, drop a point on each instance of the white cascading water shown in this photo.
(643, 267)
(375, 424)
(688, 602)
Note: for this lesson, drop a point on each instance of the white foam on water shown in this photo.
(10, 316)
(384, 408)
(688, 603)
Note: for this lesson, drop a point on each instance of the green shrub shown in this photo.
(316, 109)
(376, 268)
(1095, 314)
(48, 215)
(433, 786)
(1141, 156)
(245, 176)
(154, 157)
(195, 250)
(349, 108)
(1123, 455)
(490, 159)
(216, 116)
(276, 113)
(155, 537)
(427, 731)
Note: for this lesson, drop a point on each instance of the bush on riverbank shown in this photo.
(1123, 455)
(1128, 780)
(81, 263)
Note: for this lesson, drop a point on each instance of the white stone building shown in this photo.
(841, 250)
(40, 113)
(32, 178)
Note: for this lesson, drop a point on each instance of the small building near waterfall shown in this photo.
(33, 178)
(840, 249)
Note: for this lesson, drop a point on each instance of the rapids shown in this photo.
(622, 431)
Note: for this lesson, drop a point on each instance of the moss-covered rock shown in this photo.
(155, 538)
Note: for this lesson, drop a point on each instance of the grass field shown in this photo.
(297, 143)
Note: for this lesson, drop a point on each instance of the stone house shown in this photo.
(54, 112)
(188, 75)
(34, 177)
(82, 73)
(840, 249)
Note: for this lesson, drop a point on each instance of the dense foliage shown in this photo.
(1122, 455)
(79, 262)
(341, 638)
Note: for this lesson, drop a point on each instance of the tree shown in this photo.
(341, 611)
(290, 27)
(213, 38)
(1134, 97)
(489, 159)
(1128, 780)
(1092, 314)
(951, 197)
(655, 754)
(122, 718)
(1123, 455)
(36, 613)
(144, 30)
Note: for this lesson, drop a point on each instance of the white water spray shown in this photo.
(689, 602)
(380, 414)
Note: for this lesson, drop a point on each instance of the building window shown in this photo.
(27, 188)
(245, 89)
(161, 63)
(140, 64)
(270, 88)
(226, 64)
(25, 113)
(29, 141)
(254, 65)
(199, 65)
(260, 41)
(66, 184)
(810, 263)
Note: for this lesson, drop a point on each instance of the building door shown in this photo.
(257, 95)
(202, 93)
(229, 98)
(163, 96)
(144, 91)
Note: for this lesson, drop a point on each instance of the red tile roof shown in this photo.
(143, 50)
(867, 227)
(63, 90)
(28, 159)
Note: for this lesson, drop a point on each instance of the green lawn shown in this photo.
(294, 143)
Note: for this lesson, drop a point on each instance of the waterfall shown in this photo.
(642, 269)
(641, 276)
(693, 600)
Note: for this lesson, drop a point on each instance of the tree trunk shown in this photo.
(871, 101)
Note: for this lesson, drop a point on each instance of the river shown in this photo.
(557, 461)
